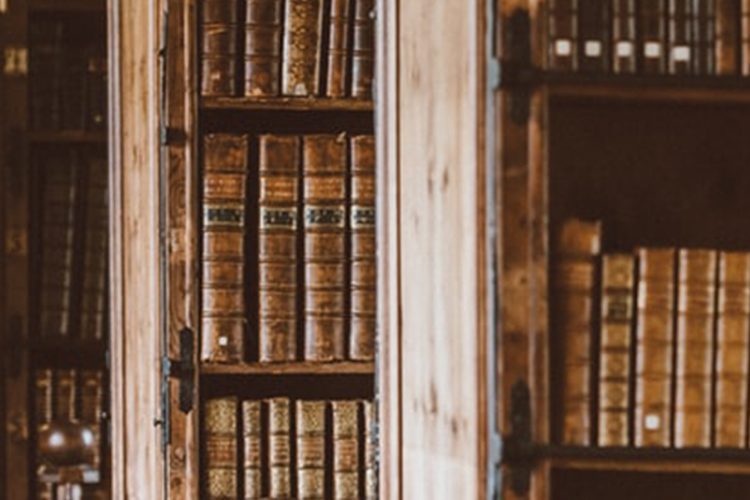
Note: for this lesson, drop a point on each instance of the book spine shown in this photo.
(95, 253)
(654, 347)
(311, 456)
(279, 446)
(277, 256)
(300, 72)
(618, 276)
(733, 321)
(345, 450)
(694, 371)
(45, 73)
(594, 38)
(96, 90)
(92, 394)
(681, 42)
(43, 397)
(563, 35)
(251, 446)
(727, 43)
(704, 33)
(65, 395)
(371, 474)
(363, 49)
(324, 160)
(623, 36)
(745, 37)
(220, 445)
(653, 36)
(362, 270)
(262, 47)
(573, 284)
(223, 294)
(219, 47)
(338, 49)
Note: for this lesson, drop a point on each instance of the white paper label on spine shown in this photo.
(563, 47)
(652, 49)
(592, 48)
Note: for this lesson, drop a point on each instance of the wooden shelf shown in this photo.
(285, 104)
(294, 368)
(68, 137)
(68, 6)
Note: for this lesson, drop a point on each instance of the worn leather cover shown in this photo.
(279, 448)
(562, 24)
(363, 49)
(302, 47)
(594, 38)
(346, 464)
(624, 40)
(252, 449)
(338, 48)
(652, 21)
(220, 445)
(219, 47)
(681, 37)
(311, 450)
(262, 47)
(727, 45)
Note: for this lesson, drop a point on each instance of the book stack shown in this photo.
(291, 48)
(676, 37)
(315, 240)
(280, 448)
(666, 347)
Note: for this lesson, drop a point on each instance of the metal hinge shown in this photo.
(15, 60)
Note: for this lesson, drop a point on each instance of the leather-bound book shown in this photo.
(594, 38)
(623, 36)
(324, 160)
(251, 446)
(279, 448)
(727, 43)
(338, 48)
(371, 473)
(652, 22)
(96, 88)
(300, 69)
(219, 19)
(277, 244)
(577, 247)
(563, 35)
(92, 394)
(696, 294)
(745, 37)
(43, 397)
(363, 49)
(681, 40)
(262, 47)
(362, 227)
(654, 347)
(220, 445)
(618, 281)
(311, 450)
(733, 321)
(65, 395)
(223, 294)
(704, 37)
(94, 294)
(345, 450)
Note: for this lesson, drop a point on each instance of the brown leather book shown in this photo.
(652, 23)
(563, 35)
(65, 395)
(733, 321)
(262, 47)
(279, 448)
(362, 227)
(223, 294)
(654, 347)
(594, 39)
(618, 277)
(311, 450)
(220, 445)
(371, 473)
(727, 44)
(338, 48)
(745, 37)
(219, 47)
(277, 257)
(704, 37)
(43, 397)
(363, 49)
(251, 446)
(300, 71)
(345, 450)
(578, 244)
(623, 36)
(92, 395)
(94, 294)
(696, 294)
(681, 40)
(324, 160)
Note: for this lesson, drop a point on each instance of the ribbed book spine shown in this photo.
(362, 228)
(345, 450)
(220, 445)
(223, 294)
(338, 48)
(251, 447)
(618, 276)
(363, 49)
(594, 38)
(43, 397)
(324, 160)
(219, 47)
(279, 448)
(695, 326)
(65, 395)
(302, 47)
(92, 396)
(95, 253)
(704, 33)
(623, 36)
(732, 330)
(311, 456)
(745, 37)
(681, 41)
(652, 20)
(727, 45)
(262, 47)
(371, 473)
(563, 35)
(578, 245)
(654, 347)
(277, 243)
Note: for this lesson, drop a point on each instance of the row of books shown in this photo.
(291, 48)
(672, 331)
(68, 77)
(289, 449)
(73, 242)
(316, 247)
(700, 37)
